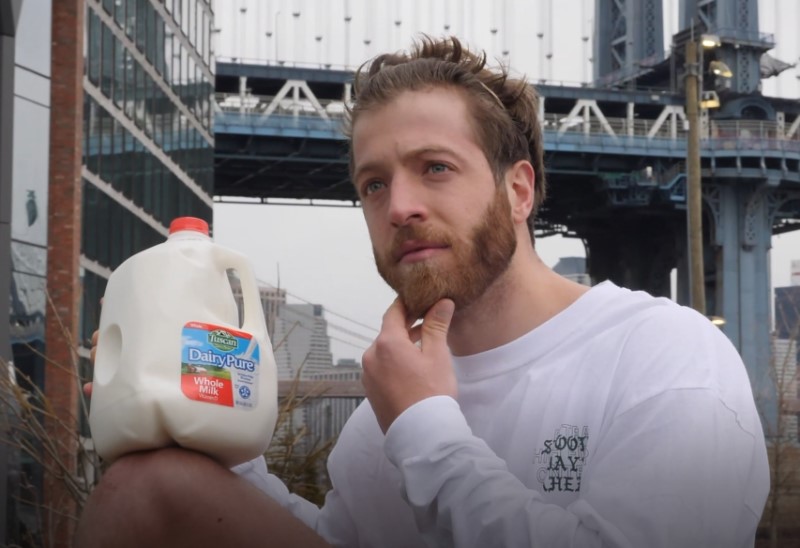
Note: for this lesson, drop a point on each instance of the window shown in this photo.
(118, 86)
(141, 23)
(192, 5)
(158, 53)
(94, 50)
(106, 145)
(130, 17)
(112, 233)
(137, 87)
(147, 113)
(93, 289)
(107, 73)
(126, 145)
(151, 41)
(176, 66)
(119, 13)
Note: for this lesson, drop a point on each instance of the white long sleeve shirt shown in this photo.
(624, 421)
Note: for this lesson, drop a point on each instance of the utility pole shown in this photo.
(694, 194)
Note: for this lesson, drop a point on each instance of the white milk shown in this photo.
(173, 366)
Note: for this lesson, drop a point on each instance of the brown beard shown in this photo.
(477, 263)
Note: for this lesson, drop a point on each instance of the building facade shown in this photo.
(786, 359)
(326, 417)
(115, 140)
(301, 343)
(28, 246)
(148, 140)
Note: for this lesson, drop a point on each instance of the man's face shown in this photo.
(439, 225)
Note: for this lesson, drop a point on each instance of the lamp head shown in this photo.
(719, 68)
(719, 321)
(710, 41)
(709, 99)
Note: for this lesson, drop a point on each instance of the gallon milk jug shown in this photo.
(173, 365)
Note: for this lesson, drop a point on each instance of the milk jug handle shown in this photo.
(253, 316)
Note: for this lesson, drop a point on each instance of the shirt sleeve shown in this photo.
(332, 522)
(676, 470)
(255, 472)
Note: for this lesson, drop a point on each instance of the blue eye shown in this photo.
(373, 186)
(438, 168)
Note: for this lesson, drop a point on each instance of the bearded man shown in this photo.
(524, 409)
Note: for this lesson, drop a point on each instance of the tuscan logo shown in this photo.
(222, 340)
(562, 459)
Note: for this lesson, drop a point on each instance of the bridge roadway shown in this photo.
(278, 135)
(615, 162)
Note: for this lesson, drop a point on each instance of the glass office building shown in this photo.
(148, 142)
(147, 157)
(28, 245)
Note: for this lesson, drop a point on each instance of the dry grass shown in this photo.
(780, 522)
(35, 432)
(296, 458)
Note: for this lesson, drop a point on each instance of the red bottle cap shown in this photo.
(188, 223)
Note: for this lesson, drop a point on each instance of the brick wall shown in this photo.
(64, 243)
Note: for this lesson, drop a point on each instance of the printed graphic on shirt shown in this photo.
(562, 459)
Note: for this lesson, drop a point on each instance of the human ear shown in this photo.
(521, 192)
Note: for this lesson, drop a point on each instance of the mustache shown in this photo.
(418, 232)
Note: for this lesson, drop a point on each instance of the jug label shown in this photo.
(219, 365)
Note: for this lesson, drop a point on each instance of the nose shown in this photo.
(406, 201)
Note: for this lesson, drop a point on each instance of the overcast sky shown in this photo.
(322, 254)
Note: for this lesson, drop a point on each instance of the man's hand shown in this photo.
(87, 388)
(397, 372)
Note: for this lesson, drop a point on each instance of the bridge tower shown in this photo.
(627, 34)
(743, 193)
(735, 22)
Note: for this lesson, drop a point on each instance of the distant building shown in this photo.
(787, 312)
(573, 268)
(301, 341)
(298, 332)
(326, 417)
(786, 351)
(301, 345)
(272, 298)
(786, 356)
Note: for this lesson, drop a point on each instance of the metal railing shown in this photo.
(724, 134)
(730, 34)
(284, 63)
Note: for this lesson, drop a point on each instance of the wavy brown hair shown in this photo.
(504, 109)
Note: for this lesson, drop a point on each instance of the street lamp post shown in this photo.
(697, 99)
(694, 193)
